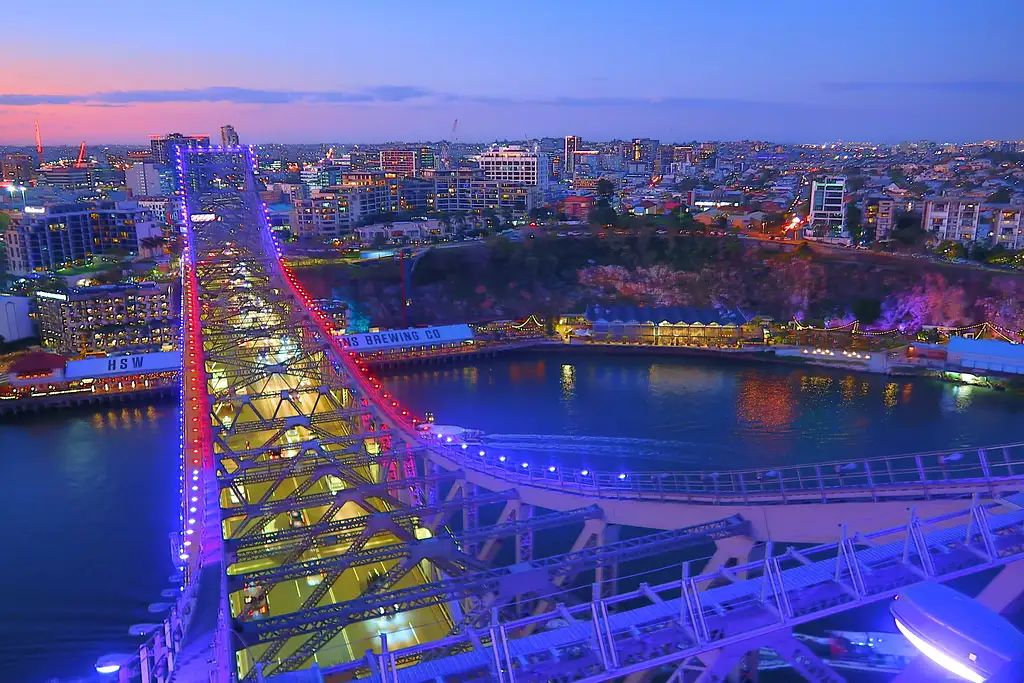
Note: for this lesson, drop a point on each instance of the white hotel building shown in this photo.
(515, 165)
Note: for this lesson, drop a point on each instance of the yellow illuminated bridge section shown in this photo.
(289, 439)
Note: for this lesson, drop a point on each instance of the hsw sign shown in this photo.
(123, 365)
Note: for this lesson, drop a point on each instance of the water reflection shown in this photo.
(764, 402)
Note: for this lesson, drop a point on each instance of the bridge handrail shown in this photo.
(925, 474)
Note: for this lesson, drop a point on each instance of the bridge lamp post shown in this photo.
(958, 633)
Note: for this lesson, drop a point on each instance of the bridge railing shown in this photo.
(913, 475)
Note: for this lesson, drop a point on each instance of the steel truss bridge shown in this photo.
(324, 536)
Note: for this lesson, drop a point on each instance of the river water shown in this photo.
(90, 497)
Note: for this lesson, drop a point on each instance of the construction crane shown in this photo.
(80, 162)
(39, 146)
(455, 131)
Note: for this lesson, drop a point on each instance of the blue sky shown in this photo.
(312, 70)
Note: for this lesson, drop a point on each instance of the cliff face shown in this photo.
(550, 276)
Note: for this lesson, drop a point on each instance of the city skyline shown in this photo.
(673, 73)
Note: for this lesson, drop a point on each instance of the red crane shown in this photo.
(39, 146)
(80, 162)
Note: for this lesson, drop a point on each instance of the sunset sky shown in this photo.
(328, 70)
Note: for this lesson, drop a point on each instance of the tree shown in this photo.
(853, 219)
(867, 310)
(908, 230)
(603, 215)
(1000, 196)
(605, 189)
(803, 251)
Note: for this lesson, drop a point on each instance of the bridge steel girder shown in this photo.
(322, 624)
(276, 385)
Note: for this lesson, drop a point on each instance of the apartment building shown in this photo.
(1007, 225)
(51, 237)
(879, 217)
(336, 211)
(107, 319)
(467, 190)
(951, 218)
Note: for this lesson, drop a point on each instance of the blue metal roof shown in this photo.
(987, 347)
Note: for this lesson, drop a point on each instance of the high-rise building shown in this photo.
(572, 143)
(827, 219)
(17, 168)
(107, 318)
(644, 151)
(143, 180)
(684, 154)
(228, 136)
(951, 218)
(163, 148)
(47, 238)
(404, 162)
(427, 159)
(516, 165)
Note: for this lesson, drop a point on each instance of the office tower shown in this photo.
(163, 148)
(644, 151)
(827, 220)
(404, 162)
(228, 136)
(572, 143)
(17, 168)
(143, 180)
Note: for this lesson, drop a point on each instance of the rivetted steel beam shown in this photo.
(324, 623)
(432, 548)
(266, 544)
(373, 490)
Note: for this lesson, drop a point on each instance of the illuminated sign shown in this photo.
(112, 366)
(35, 209)
(416, 336)
(52, 295)
(204, 218)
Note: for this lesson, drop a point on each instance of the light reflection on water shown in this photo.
(89, 499)
(715, 413)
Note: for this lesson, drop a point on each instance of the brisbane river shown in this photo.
(90, 497)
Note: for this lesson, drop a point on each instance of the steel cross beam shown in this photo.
(276, 542)
(438, 547)
(323, 623)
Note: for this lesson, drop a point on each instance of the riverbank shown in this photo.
(73, 400)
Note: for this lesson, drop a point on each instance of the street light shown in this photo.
(959, 634)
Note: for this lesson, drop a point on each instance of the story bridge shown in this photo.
(325, 537)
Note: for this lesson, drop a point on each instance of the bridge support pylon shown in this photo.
(736, 549)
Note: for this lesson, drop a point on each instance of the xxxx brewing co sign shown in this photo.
(416, 336)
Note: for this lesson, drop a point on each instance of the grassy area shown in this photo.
(95, 267)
